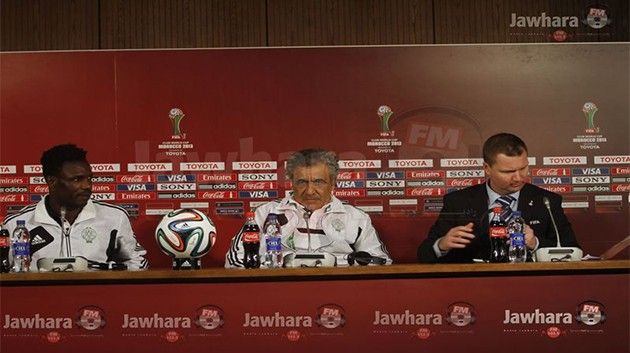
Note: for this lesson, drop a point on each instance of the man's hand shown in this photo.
(457, 237)
(530, 238)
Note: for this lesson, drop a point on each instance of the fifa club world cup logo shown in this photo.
(384, 112)
(176, 115)
(589, 110)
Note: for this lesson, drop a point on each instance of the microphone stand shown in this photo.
(65, 229)
(309, 258)
(67, 262)
(558, 253)
(307, 217)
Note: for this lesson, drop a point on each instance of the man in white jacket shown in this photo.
(335, 228)
(67, 223)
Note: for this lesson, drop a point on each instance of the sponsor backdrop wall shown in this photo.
(211, 129)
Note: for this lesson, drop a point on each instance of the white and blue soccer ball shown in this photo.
(185, 234)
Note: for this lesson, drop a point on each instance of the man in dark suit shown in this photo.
(460, 233)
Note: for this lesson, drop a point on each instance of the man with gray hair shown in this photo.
(313, 220)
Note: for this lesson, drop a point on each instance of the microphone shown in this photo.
(309, 258)
(553, 221)
(65, 262)
(558, 253)
(65, 233)
(307, 217)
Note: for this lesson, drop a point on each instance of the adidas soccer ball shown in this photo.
(185, 234)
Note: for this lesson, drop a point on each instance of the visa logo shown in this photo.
(591, 171)
(135, 187)
(258, 194)
(36, 198)
(551, 180)
(348, 184)
(175, 178)
(385, 175)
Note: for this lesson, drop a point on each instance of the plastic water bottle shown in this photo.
(516, 229)
(5, 250)
(21, 248)
(273, 242)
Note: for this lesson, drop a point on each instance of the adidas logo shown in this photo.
(37, 240)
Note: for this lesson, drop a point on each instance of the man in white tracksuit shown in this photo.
(66, 223)
(311, 209)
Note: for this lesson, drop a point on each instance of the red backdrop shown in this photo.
(261, 104)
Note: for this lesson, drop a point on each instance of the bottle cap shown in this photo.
(21, 222)
(497, 210)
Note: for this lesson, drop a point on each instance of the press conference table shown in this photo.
(530, 307)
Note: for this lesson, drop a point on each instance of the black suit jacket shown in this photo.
(471, 205)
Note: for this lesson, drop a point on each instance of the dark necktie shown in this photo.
(505, 202)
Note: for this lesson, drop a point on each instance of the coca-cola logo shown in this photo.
(465, 182)
(12, 198)
(256, 185)
(217, 195)
(425, 191)
(251, 237)
(139, 178)
(498, 232)
(350, 175)
(39, 189)
(551, 171)
(621, 188)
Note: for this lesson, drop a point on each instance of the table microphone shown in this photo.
(557, 253)
(65, 233)
(67, 263)
(309, 258)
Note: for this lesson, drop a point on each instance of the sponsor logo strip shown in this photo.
(201, 166)
(8, 169)
(362, 164)
(105, 167)
(624, 159)
(149, 167)
(461, 162)
(255, 165)
(564, 160)
(410, 163)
